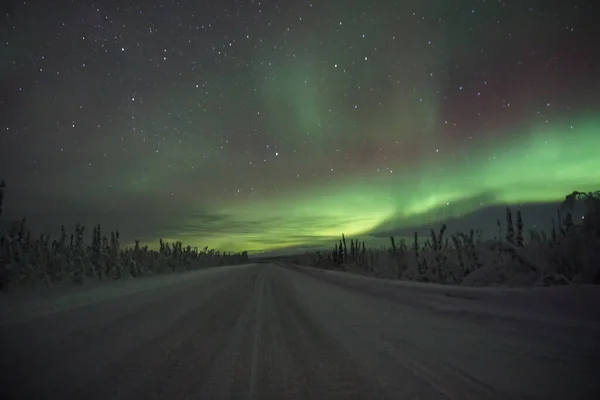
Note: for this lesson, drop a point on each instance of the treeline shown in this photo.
(26, 260)
(567, 253)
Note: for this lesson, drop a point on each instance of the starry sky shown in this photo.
(274, 125)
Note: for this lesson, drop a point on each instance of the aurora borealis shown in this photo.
(263, 125)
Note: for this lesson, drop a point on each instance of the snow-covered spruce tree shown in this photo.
(467, 253)
(398, 253)
(114, 254)
(135, 256)
(108, 267)
(436, 251)
(95, 254)
(25, 260)
(61, 259)
(420, 261)
(80, 267)
(163, 259)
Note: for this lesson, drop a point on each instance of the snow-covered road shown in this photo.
(267, 332)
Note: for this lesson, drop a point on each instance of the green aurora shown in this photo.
(542, 165)
(284, 127)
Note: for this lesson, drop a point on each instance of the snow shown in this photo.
(571, 304)
(27, 304)
(267, 331)
(537, 342)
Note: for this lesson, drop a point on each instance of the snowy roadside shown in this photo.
(575, 305)
(30, 303)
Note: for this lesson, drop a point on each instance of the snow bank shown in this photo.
(576, 304)
(27, 304)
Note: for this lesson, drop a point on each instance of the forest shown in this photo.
(28, 261)
(568, 253)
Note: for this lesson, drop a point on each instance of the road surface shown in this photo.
(265, 332)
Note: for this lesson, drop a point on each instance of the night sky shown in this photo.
(262, 125)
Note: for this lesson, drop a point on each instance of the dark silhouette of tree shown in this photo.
(591, 204)
(510, 229)
(519, 234)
